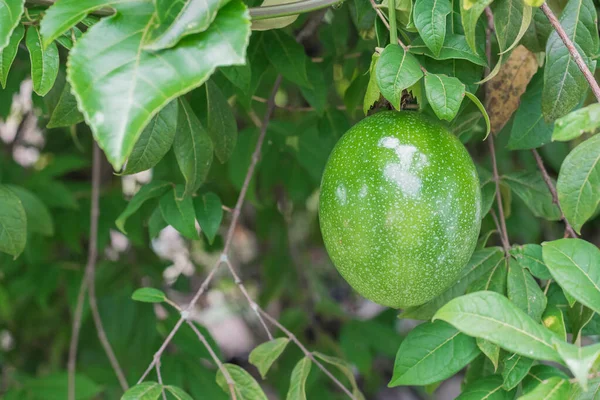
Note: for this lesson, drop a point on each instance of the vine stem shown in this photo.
(392, 17)
(572, 50)
(386, 24)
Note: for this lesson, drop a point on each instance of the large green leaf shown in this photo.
(445, 95)
(493, 280)
(580, 360)
(530, 257)
(488, 388)
(220, 122)
(297, 390)
(9, 52)
(593, 392)
(511, 20)
(245, 386)
(578, 122)
(469, 15)
(192, 147)
(65, 113)
(564, 84)
(44, 61)
(430, 21)
(13, 223)
(432, 352)
(493, 317)
(286, 56)
(578, 184)
(264, 355)
(178, 211)
(176, 19)
(10, 16)
(125, 86)
(524, 291)
(514, 368)
(532, 189)
(149, 191)
(396, 70)
(38, 215)
(553, 388)
(575, 265)
(209, 213)
(455, 47)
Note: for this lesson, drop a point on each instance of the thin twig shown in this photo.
(503, 230)
(572, 50)
(160, 380)
(76, 327)
(307, 353)
(540, 163)
(215, 358)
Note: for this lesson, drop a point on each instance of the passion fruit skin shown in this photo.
(399, 208)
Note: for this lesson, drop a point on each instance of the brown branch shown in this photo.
(540, 163)
(572, 50)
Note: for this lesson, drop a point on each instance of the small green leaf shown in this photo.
(514, 368)
(372, 94)
(209, 213)
(178, 393)
(430, 21)
(10, 16)
(345, 368)
(578, 184)
(445, 95)
(178, 211)
(580, 360)
(143, 391)
(579, 316)
(264, 355)
(576, 123)
(455, 47)
(493, 317)
(65, 112)
(553, 388)
(297, 390)
(577, 392)
(13, 223)
(486, 117)
(430, 353)
(488, 388)
(245, 386)
(534, 192)
(511, 20)
(149, 295)
(491, 351)
(539, 373)
(44, 61)
(192, 147)
(9, 52)
(575, 265)
(147, 192)
(38, 215)
(286, 56)
(273, 23)
(530, 257)
(493, 280)
(155, 140)
(554, 320)
(524, 291)
(469, 15)
(396, 70)
(221, 125)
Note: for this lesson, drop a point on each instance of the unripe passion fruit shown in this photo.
(400, 208)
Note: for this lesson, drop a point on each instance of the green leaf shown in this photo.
(192, 147)
(430, 21)
(539, 373)
(149, 295)
(54, 386)
(430, 353)
(65, 14)
(178, 393)
(209, 213)
(514, 368)
(155, 140)
(9, 52)
(488, 388)
(564, 84)
(554, 320)
(576, 123)
(493, 317)
(286, 56)
(221, 125)
(65, 112)
(156, 223)
(575, 265)
(44, 61)
(178, 211)
(345, 368)
(577, 392)
(13, 223)
(147, 192)
(511, 20)
(297, 390)
(580, 360)
(524, 291)
(445, 95)
(481, 262)
(529, 129)
(150, 80)
(10, 16)
(372, 94)
(246, 387)
(455, 47)
(493, 280)
(396, 70)
(143, 391)
(38, 215)
(240, 76)
(530, 257)
(553, 388)
(486, 117)
(176, 19)
(264, 355)
(578, 184)
(273, 23)
(491, 351)
(469, 15)
(534, 192)
(356, 92)
(579, 316)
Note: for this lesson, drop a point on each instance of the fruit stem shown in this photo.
(392, 18)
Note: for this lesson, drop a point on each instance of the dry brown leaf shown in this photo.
(507, 87)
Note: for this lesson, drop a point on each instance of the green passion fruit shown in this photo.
(399, 208)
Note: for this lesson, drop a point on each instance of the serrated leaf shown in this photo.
(44, 61)
(481, 108)
(13, 223)
(245, 386)
(178, 211)
(580, 360)
(469, 15)
(178, 393)
(532, 189)
(209, 213)
(493, 317)
(297, 390)
(430, 353)
(9, 52)
(396, 70)
(147, 192)
(575, 266)
(143, 391)
(264, 355)
(514, 368)
(65, 113)
(454, 47)
(177, 19)
(576, 123)
(530, 257)
(10, 16)
(430, 21)
(564, 84)
(38, 215)
(553, 388)
(488, 388)
(149, 79)
(578, 184)
(192, 147)
(524, 291)
(445, 95)
(149, 295)
(372, 94)
(554, 320)
(491, 351)
(345, 368)
(286, 56)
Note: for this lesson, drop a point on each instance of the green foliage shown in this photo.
(263, 356)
